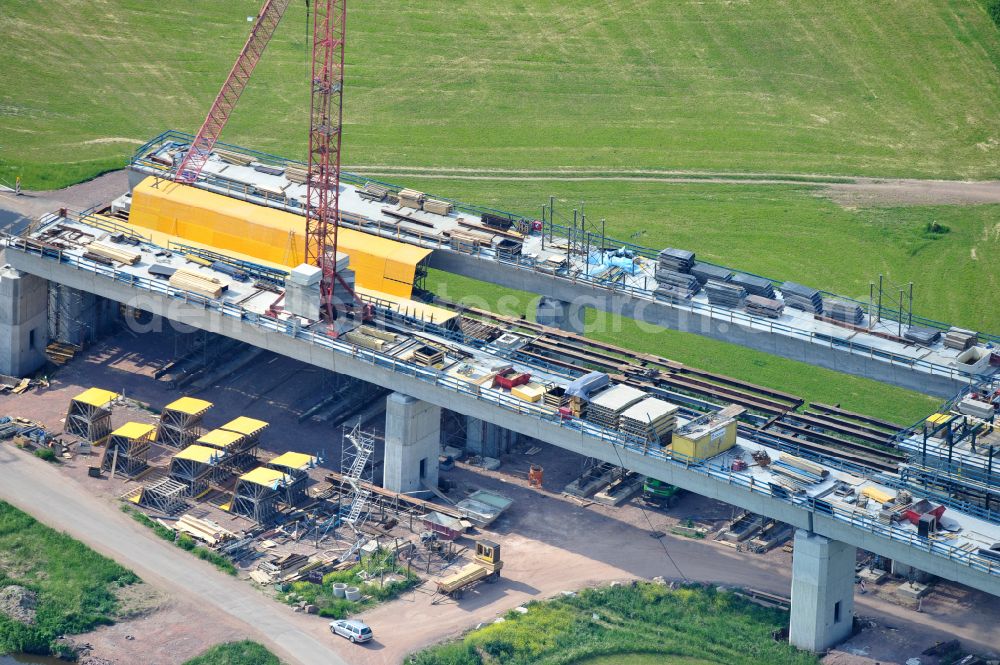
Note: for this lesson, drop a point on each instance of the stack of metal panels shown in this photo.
(679, 260)
(706, 271)
(607, 406)
(957, 338)
(652, 419)
(801, 297)
(924, 336)
(725, 294)
(768, 307)
(680, 280)
(672, 293)
(757, 286)
(848, 312)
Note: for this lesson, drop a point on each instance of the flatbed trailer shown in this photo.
(484, 568)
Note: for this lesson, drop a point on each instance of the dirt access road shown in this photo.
(63, 504)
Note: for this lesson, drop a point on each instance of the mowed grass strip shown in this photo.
(850, 87)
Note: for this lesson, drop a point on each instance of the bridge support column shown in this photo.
(23, 322)
(822, 591)
(560, 314)
(487, 439)
(412, 443)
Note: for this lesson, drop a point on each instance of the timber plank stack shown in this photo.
(725, 294)
(678, 260)
(766, 307)
(187, 280)
(438, 207)
(428, 356)
(607, 406)
(652, 419)
(756, 286)
(958, 338)
(839, 310)
(119, 254)
(411, 198)
(802, 297)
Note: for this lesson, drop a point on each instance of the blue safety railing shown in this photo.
(621, 440)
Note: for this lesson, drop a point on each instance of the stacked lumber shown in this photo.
(438, 207)
(802, 297)
(679, 260)
(358, 338)
(957, 338)
(766, 307)
(411, 198)
(652, 419)
(924, 336)
(204, 530)
(119, 254)
(296, 174)
(839, 310)
(606, 407)
(707, 271)
(203, 285)
(233, 157)
(725, 294)
(373, 191)
(59, 353)
(556, 397)
(757, 286)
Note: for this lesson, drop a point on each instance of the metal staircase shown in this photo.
(354, 462)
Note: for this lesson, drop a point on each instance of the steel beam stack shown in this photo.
(678, 260)
(756, 286)
(802, 297)
(848, 312)
(725, 294)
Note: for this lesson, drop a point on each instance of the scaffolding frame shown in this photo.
(357, 472)
(240, 451)
(165, 495)
(296, 466)
(257, 495)
(195, 467)
(181, 422)
(89, 415)
(127, 450)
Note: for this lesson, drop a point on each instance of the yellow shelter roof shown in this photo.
(192, 406)
(244, 425)
(290, 460)
(196, 453)
(268, 235)
(220, 438)
(264, 476)
(96, 397)
(413, 308)
(134, 430)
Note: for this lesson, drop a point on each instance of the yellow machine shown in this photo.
(485, 567)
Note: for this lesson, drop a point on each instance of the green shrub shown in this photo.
(46, 454)
(186, 542)
(236, 653)
(993, 9)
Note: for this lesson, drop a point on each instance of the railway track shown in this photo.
(819, 429)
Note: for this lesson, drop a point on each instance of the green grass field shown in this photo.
(849, 87)
(74, 585)
(637, 625)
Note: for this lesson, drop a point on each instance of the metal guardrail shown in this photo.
(625, 442)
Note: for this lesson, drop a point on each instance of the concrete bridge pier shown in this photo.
(822, 591)
(568, 316)
(412, 443)
(23, 322)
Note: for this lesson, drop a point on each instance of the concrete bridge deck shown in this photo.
(951, 554)
(873, 350)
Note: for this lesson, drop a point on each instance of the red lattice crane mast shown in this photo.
(325, 123)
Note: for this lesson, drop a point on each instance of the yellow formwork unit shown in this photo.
(267, 234)
(221, 439)
(704, 442)
(293, 461)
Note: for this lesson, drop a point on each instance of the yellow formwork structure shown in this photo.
(267, 234)
(295, 461)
